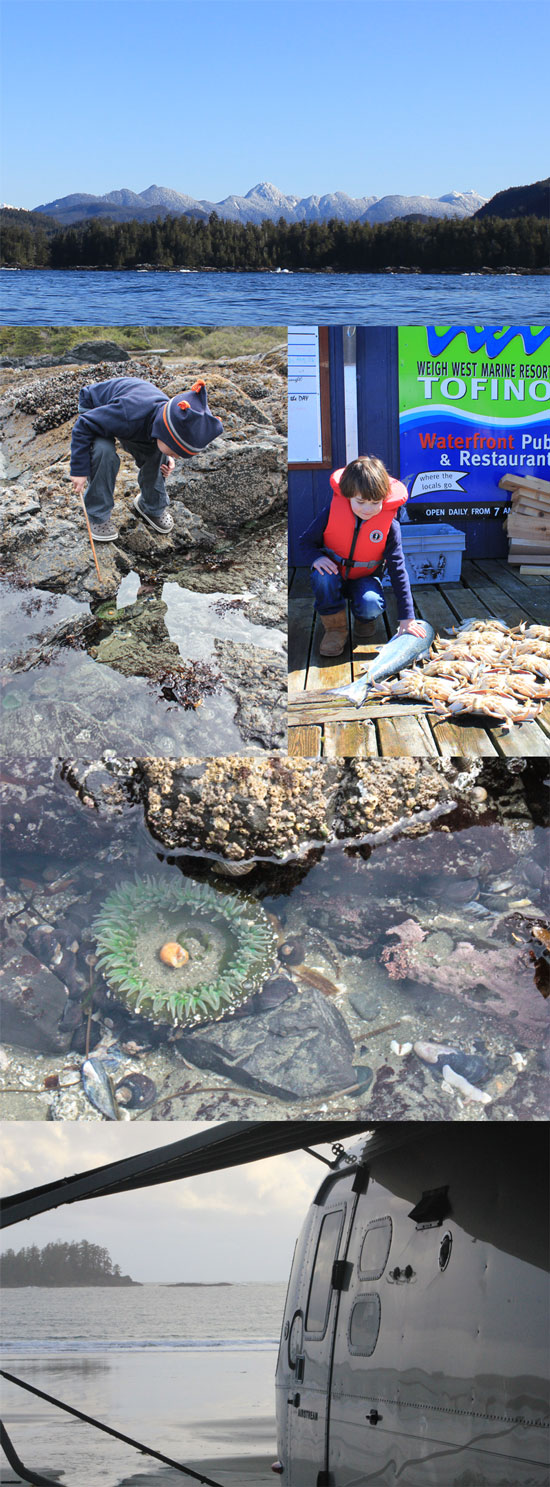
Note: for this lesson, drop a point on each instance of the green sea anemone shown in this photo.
(228, 939)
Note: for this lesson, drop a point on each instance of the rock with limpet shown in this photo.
(292, 951)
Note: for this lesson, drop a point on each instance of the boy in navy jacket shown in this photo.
(154, 428)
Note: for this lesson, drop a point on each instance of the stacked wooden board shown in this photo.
(528, 525)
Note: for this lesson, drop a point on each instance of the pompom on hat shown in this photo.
(185, 422)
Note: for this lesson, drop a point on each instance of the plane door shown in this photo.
(310, 1338)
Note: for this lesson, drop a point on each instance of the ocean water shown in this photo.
(188, 1371)
(67, 700)
(89, 297)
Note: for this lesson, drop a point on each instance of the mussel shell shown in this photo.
(98, 1087)
(472, 1066)
(364, 1076)
(136, 1092)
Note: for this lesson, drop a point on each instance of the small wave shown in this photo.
(38, 1346)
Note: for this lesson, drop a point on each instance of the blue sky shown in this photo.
(409, 96)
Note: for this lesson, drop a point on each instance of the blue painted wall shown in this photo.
(378, 433)
(309, 490)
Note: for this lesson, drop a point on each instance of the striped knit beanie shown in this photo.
(185, 422)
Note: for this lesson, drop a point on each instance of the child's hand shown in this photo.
(411, 627)
(167, 466)
(325, 565)
(79, 483)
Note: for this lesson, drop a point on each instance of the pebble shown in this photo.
(68, 1077)
(519, 1061)
(364, 1004)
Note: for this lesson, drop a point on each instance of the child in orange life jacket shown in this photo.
(348, 544)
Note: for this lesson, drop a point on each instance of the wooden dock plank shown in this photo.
(304, 743)
(325, 671)
(534, 600)
(527, 742)
(432, 606)
(299, 645)
(299, 584)
(467, 604)
(411, 736)
(304, 709)
(364, 651)
(350, 741)
(502, 605)
(456, 741)
(534, 580)
(543, 719)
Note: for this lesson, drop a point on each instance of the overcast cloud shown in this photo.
(238, 1225)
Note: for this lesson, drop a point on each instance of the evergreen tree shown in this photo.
(62, 1264)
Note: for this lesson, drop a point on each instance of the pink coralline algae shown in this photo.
(396, 958)
(497, 981)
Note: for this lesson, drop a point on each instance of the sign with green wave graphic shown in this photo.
(474, 404)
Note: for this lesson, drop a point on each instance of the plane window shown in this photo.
(364, 1325)
(375, 1249)
(320, 1289)
(295, 1341)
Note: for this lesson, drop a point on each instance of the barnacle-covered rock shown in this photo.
(229, 941)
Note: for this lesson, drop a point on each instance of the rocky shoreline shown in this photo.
(155, 268)
(229, 537)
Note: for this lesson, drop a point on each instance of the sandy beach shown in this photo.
(207, 1403)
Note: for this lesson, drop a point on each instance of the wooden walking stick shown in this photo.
(91, 539)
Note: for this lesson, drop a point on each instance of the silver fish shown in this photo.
(98, 1088)
(401, 651)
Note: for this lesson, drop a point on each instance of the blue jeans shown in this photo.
(105, 467)
(331, 591)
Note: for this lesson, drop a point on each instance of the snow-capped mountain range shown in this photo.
(263, 201)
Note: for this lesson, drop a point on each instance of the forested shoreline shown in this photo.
(62, 1264)
(425, 245)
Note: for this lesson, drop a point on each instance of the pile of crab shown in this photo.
(485, 667)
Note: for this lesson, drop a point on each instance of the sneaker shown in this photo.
(103, 531)
(162, 522)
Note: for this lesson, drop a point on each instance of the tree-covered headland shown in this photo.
(425, 245)
(62, 1264)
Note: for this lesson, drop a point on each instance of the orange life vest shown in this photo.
(359, 548)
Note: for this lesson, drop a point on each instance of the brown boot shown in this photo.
(336, 633)
(363, 629)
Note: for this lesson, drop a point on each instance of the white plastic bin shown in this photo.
(433, 552)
